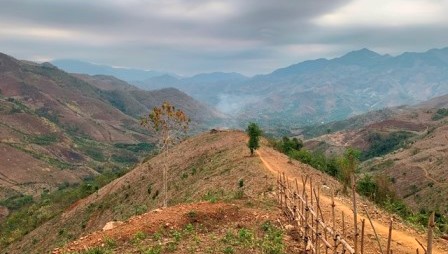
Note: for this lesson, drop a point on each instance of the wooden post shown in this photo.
(355, 214)
(312, 204)
(389, 238)
(304, 180)
(332, 211)
(374, 230)
(307, 237)
(278, 190)
(362, 235)
(431, 226)
(343, 230)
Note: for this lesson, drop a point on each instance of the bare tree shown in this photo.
(171, 126)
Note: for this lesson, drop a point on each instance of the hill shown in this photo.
(408, 144)
(237, 217)
(136, 102)
(58, 129)
(211, 165)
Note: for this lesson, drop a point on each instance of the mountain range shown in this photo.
(321, 90)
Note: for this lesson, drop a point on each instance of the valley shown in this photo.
(75, 151)
(223, 126)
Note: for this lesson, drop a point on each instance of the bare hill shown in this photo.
(58, 129)
(206, 167)
(409, 144)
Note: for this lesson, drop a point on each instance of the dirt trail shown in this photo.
(427, 176)
(403, 242)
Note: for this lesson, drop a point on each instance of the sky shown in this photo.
(192, 36)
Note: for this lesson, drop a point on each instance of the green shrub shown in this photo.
(440, 113)
(45, 140)
(16, 202)
(124, 159)
(384, 144)
(136, 148)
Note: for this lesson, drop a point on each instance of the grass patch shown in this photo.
(44, 140)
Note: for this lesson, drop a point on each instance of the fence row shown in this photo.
(325, 234)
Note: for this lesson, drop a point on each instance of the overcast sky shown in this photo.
(193, 36)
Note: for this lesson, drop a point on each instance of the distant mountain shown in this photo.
(58, 128)
(360, 81)
(127, 74)
(318, 91)
(321, 90)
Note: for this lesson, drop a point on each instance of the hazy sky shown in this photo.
(192, 36)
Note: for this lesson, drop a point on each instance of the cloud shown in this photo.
(192, 36)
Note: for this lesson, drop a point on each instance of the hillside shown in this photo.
(57, 130)
(235, 218)
(136, 102)
(211, 165)
(408, 144)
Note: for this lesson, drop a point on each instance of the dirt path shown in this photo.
(427, 176)
(403, 241)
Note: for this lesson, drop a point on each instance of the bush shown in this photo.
(14, 203)
(440, 113)
(45, 140)
(383, 144)
(286, 145)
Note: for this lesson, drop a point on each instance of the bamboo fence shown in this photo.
(328, 235)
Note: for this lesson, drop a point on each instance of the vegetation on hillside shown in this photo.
(440, 113)
(27, 213)
(377, 188)
(381, 144)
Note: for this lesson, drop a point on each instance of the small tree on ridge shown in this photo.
(170, 125)
(254, 133)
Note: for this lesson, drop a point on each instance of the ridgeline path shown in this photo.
(403, 239)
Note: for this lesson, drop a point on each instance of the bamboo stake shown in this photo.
(389, 238)
(343, 230)
(355, 214)
(374, 230)
(306, 218)
(362, 235)
(312, 204)
(421, 245)
(333, 205)
(335, 246)
(304, 180)
(431, 226)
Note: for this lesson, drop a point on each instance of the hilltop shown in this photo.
(209, 167)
